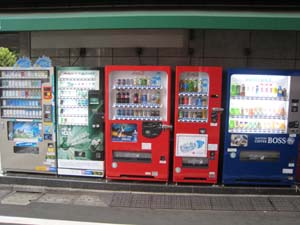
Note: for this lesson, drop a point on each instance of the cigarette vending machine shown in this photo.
(80, 141)
(262, 127)
(137, 122)
(197, 124)
(27, 120)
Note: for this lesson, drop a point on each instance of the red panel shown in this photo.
(158, 168)
(208, 174)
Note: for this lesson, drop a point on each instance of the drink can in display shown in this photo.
(190, 100)
(144, 98)
(180, 115)
(185, 100)
(185, 114)
(185, 85)
(119, 112)
(123, 81)
(181, 100)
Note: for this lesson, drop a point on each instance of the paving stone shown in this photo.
(282, 204)
(121, 200)
(141, 201)
(261, 204)
(90, 200)
(57, 198)
(3, 193)
(241, 203)
(201, 202)
(20, 198)
(221, 203)
(296, 203)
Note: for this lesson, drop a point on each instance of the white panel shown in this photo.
(109, 39)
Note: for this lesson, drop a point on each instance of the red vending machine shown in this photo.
(197, 124)
(137, 122)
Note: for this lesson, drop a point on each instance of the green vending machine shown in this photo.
(80, 107)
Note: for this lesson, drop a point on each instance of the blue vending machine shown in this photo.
(262, 127)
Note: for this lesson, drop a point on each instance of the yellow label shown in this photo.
(41, 168)
(51, 150)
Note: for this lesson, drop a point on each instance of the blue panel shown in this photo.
(258, 159)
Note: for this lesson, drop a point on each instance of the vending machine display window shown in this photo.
(193, 97)
(258, 104)
(138, 95)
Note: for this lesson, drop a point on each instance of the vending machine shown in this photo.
(27, 120)
(198, 95)
(80, 107)
(137, 122)
(262, 127)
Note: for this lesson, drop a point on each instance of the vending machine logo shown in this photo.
(274, 140)
(277, 140)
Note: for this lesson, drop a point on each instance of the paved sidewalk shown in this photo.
(25, 195)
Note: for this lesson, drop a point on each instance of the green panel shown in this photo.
(150, 19)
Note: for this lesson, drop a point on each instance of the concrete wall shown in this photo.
(226, 48)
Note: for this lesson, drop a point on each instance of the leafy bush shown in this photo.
(7, 58)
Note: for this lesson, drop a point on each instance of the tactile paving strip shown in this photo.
(121, 200)
(161, 202)
(282, 204)
(241, 203)
(221, 203)
(57, 198)
(261, 204)
(181, 202)
(141, 201)
(201, 202)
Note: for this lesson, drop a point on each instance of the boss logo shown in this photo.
(276, 140)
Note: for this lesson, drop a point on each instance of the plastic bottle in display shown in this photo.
(205, 85)
(275, 91)
(279, 91)
(242, 90)
(195, 84)
(157, 97)
(233, 89)
(199, 85)
(136, 98)
(181, 85)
